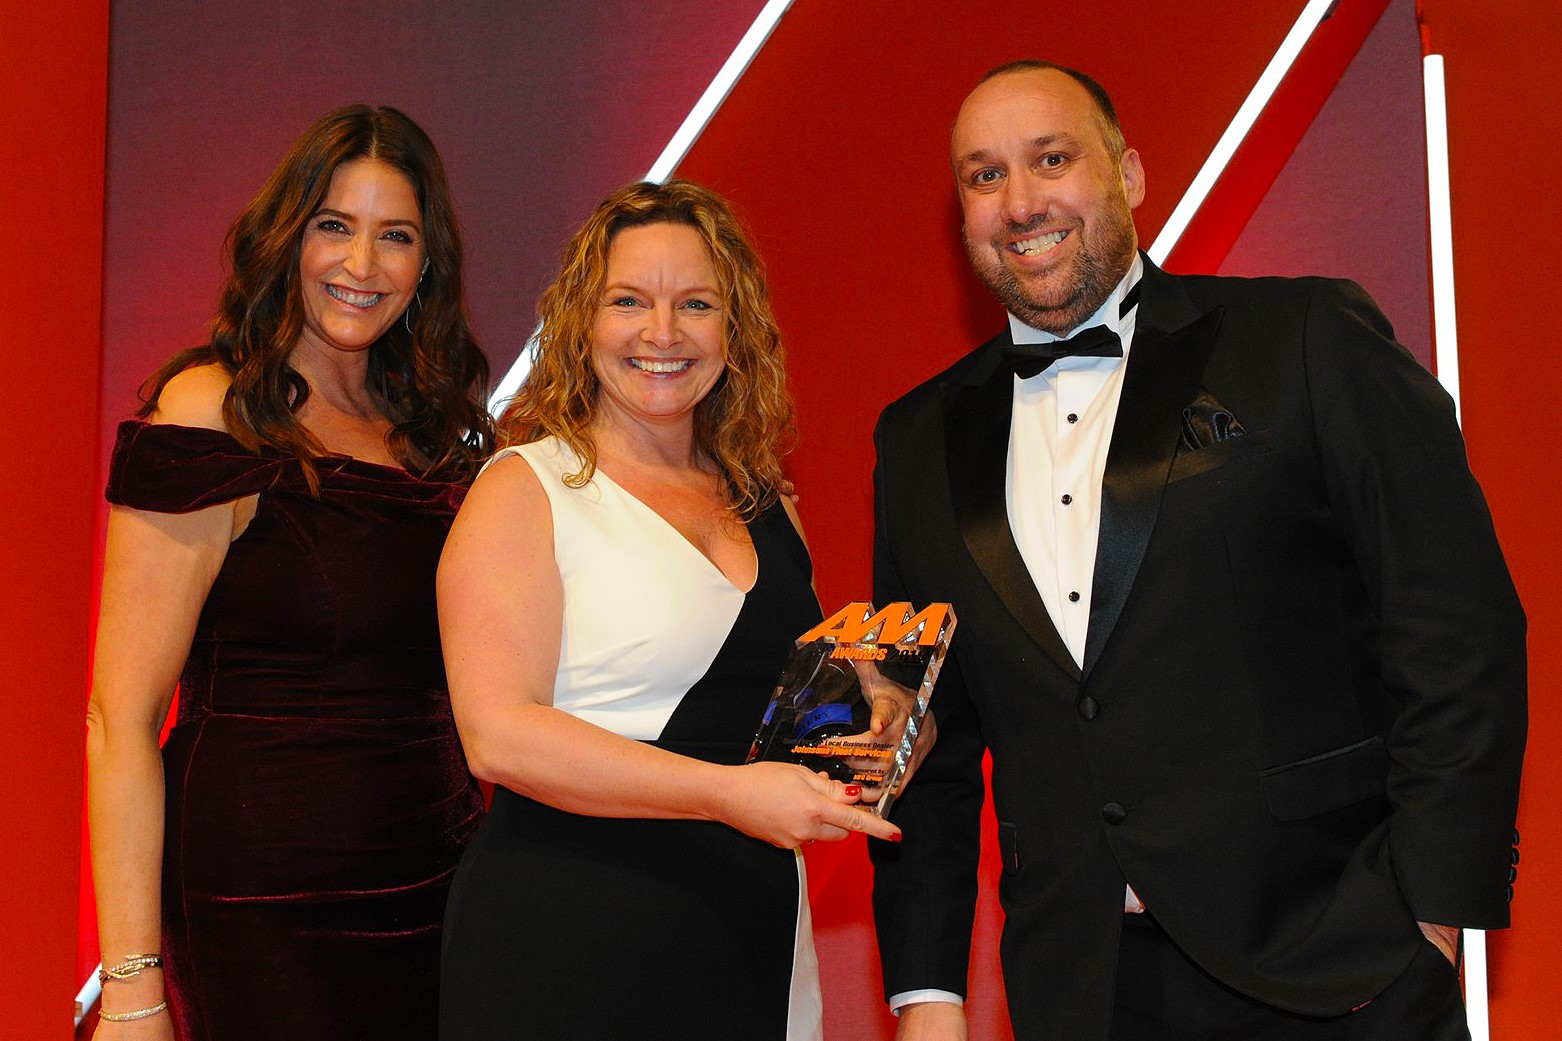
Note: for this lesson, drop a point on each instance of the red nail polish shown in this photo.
(854, 790)
(896, 837)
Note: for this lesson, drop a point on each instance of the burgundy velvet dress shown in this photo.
(317, 797)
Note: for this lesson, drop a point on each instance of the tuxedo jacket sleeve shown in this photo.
(925, 891)
(1450, 629)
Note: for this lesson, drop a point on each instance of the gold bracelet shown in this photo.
(129, 968)
(127, 1017)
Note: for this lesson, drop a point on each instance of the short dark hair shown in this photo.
(1111, 129)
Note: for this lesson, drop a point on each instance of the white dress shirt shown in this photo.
(1059, 434)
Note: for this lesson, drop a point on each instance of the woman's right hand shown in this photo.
(787, 805)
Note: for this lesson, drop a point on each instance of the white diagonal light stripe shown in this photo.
(1445, 334)
(89, 994)
(1241, 123)
(682, 140)
(734, 67)
(1445, 359)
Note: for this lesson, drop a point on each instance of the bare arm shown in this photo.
(157, 571)
(501, 614)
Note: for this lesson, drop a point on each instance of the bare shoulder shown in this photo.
(501, 545)
(506, 505)
(509, 480)
(194, 398)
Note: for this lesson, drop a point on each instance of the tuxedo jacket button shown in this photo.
(1513, 856)
(1510, 894)
(1513, 875)
(1089, 707)
(1113, 813)
(1515, 836)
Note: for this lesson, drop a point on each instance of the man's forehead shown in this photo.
(1030, 104)
(1038, 88)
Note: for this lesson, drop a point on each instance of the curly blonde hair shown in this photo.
(744, 425)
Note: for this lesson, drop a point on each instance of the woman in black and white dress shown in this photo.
(617, 598)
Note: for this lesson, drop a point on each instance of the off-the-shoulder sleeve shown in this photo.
(173, 469)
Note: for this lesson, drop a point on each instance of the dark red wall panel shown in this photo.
(538, 109)
(1351, 199)
(1269, 145)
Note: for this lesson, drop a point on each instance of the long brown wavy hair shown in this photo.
(432, 377)
(744, 425)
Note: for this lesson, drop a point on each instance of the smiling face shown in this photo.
(361, 257)
(657, 341)
(1047, 205)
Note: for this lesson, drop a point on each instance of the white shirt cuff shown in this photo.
(916, 997)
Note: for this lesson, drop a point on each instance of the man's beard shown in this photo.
(1097, 269)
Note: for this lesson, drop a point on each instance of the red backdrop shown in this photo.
(833, 147)
(1503, 104)
(53, 80)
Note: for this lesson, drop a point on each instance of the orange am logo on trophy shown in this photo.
(857, 622)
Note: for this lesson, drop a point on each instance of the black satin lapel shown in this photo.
(1164, 373)
(976, 436)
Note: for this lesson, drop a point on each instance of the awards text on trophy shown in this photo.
(852, 698)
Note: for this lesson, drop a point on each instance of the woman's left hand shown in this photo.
(788, 805)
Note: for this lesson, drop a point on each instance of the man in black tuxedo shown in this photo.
(1234, 626)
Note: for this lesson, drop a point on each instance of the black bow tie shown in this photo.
(1027, 359)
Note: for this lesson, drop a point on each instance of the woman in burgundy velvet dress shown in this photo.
(278, 512)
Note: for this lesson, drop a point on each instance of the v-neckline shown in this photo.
(684, 539)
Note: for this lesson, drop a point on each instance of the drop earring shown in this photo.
(406, 316)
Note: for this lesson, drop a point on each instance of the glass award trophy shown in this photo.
(854, 693)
